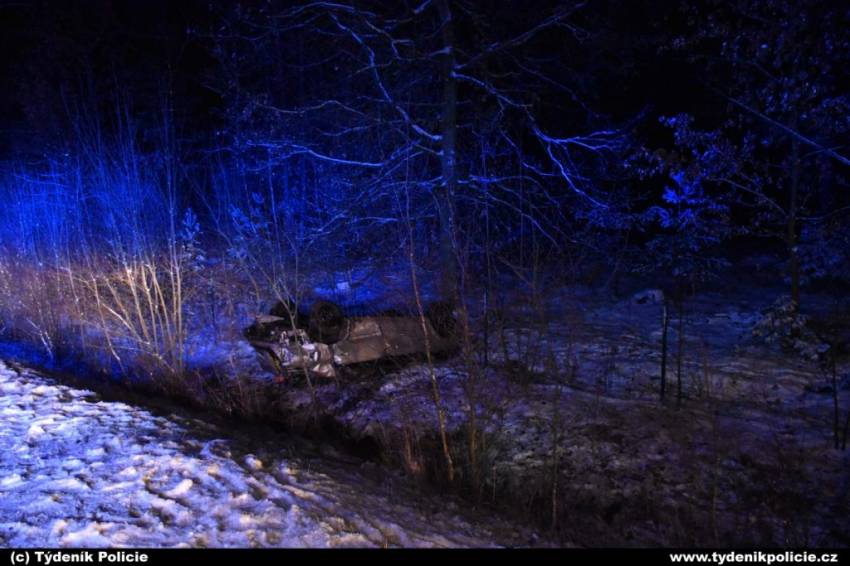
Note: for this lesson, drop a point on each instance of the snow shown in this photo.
(626, 462)
(78, 470)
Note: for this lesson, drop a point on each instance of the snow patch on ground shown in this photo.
(80, 471)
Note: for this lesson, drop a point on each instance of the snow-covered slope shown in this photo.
(76, 470)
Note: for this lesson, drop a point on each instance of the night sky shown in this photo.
(52, 50)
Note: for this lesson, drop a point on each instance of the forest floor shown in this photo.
(573, 431)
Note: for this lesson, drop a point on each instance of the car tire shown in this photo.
(326, 322)
(442, 318)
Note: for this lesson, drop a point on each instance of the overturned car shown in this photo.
(325, 339)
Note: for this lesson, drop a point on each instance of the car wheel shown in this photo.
(442, 318)
(326, 322)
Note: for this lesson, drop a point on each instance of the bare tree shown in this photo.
(397, 87)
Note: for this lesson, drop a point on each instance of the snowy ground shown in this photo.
(77, 470)
(567, 406)
(746, 460)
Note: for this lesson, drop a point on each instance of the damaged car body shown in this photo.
(326, 339)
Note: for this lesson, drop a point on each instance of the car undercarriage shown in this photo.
(325, 339)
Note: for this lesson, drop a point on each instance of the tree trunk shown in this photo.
(680, 338)
(665, 325)
(791, 236)
(448, 160)
(836, 413)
